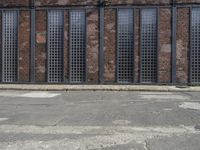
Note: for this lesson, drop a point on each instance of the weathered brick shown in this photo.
(164, 51)
(138, 1)
(182, 44)
(137, 46)
(66, 2)
(93, 45)
(40, 59)
(24, 46)
(6, 3)
(187, 1)
(87, 2)
(110, 45)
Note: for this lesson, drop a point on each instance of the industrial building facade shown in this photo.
(100, 41)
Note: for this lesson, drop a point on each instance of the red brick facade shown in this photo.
(110, 38)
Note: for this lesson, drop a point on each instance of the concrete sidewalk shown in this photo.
(57, 87)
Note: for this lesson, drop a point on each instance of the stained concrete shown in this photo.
(107, 120)
(94, 87)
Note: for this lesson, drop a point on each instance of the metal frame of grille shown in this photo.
(125, 46)
(10, 46)
(55, 52)
(78, 46)
(195, 46)
(149, 45)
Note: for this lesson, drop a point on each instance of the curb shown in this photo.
(55, 87)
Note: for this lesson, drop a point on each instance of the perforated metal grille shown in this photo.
(55, 46)
(125, 54)
(195, 45)
(149, 45)
(10, 48)
(77, 46)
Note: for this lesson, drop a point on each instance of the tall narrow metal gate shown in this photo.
(55, 46)
(148, 45)
(77, 46)
(125, 54)
(10, 46)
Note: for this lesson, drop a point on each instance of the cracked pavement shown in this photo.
(94, 120)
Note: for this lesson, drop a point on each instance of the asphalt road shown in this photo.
(90, 120)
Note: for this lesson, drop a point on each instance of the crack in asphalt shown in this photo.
(146, 145)
(58, 121)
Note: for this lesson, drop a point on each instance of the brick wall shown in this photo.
(110, 47)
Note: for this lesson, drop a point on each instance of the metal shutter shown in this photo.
(125, 54)
(77, 46)
(148, 45)
(10, 46)
(55, 45)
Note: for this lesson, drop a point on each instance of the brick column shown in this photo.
(137, 46)
(182, 45)
(110, 45)
(41, 23)
(93, 45)
(24, 46)
(164, 51)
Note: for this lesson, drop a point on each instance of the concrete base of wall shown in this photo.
(56, 87)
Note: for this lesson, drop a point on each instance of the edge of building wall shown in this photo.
(48, 87)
